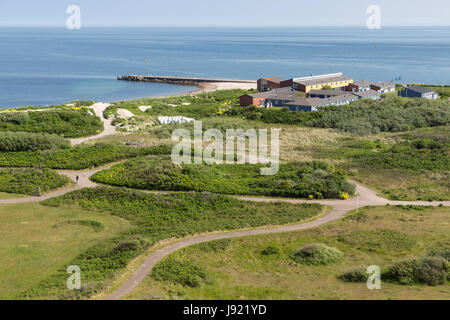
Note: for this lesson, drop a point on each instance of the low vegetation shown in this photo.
(199, 106)
(394, 114)
(25, 181)
(316, 254)
(302, 180)
(261, 267)
(68, 123)
(25, 141)
(155, 218)
(79, 157)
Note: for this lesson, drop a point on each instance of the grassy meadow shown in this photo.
(42, 239)
(261, 267)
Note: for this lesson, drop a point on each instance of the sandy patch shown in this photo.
(144, 108)
(124, 113)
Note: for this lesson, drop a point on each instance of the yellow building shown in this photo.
(334, 80)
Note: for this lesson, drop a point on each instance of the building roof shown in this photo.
(419, 89)
(317, 102)
(322, 79)
(274, 79)
(383, 84)
(327, 92)
(258, 94)
(366, 94)
(362, 83)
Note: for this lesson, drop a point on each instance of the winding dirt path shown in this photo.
(107, 123)
(366, 197)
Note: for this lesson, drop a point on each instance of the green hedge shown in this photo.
(301, 180)
(25, 141)
(79, 157)
(22, 181)
(64, 122)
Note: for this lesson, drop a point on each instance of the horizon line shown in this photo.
(211, 26)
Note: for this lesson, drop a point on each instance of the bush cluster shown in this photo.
(22, 181)
(65, 122)
(316, 254)
(183, 272)
(302, 180)
(79, 157)
(25, 141)
(355, 275)
(394, 114)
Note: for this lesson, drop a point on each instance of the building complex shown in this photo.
(310, 93)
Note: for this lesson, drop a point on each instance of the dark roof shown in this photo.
(258, 94)
(274, 79)
(383, 84)
(365, 94)
(327, 92)
(420, 89)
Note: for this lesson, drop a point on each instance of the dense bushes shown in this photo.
(156, 217)
(22, 181)
(316, 254)
(355, 275)
(274, 115)
(419, 154)
(65, 122)
(303, 180)
(394, 114)
(428, 270)
(79, 157)
(25, 141)
(183, 272)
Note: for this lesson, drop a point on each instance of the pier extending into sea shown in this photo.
(181, 80)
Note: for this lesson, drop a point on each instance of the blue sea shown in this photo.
(44, 66)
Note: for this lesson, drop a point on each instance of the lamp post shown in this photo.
(357, 202)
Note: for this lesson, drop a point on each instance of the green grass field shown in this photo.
(260, 267)
(37, 240)
(154, 217)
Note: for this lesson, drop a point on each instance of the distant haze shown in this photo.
(225, 13)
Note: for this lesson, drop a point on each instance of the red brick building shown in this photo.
(267, 84)
(253, 99)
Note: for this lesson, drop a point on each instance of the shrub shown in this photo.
(270, 250)
(317, 254)
(428, 270)
(293, 180)
(24, 141)
(355, 275)
(23, 181)
(79, 157)
(67, 122)
(215, 246)
(394, 114)
(183, 272)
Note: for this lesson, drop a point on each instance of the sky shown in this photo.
(231, 13)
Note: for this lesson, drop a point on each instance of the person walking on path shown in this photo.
(77, 178)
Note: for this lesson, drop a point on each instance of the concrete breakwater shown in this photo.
(181, 80)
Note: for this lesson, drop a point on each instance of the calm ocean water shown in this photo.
(44, 66)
